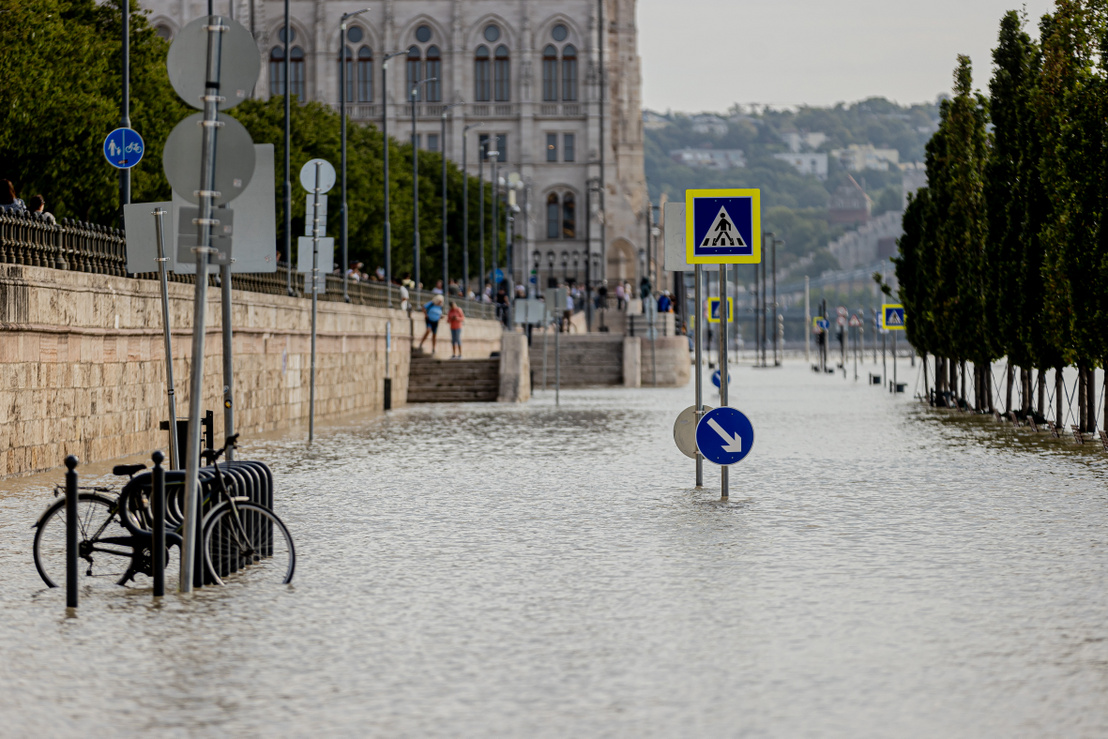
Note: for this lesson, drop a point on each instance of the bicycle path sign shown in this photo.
(123, 148)
(723, 226)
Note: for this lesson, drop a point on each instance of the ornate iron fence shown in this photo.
(31, 239)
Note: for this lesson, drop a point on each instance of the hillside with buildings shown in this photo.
(833, 180)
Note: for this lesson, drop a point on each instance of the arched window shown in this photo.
(413, 77)
(502, 75)
(349, 72)
(164, 31)
(482, 93)
(550, 73)
(569, 72)
(569, 217)
(553, 216)
(365, 75)
(276, 71)
(433, 70)
(296, 72)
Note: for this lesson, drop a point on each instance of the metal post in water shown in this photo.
(894, 363)
(315, 299)
(157, 505)
(174, 463)
(388, 370)
(203, 250)
(557, 366)
(228, 356)
(71, 543)
(807, 322)
(699, 336)
(723, 363)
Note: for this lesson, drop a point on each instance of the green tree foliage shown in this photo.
(60, 80)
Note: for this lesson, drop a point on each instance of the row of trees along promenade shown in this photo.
(1005, 252)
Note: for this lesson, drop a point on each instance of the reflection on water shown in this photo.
(880, 569)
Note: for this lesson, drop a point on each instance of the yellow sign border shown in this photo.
(884, 310)
(730, 309)
(756, 225)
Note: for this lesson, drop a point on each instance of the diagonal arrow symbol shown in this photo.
(734, 445)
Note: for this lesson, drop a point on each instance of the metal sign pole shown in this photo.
(557, 366)
(699, 337)
(894, 362)
(203, 249)
(723, 377)
(228, 355)
(315, 300)
(174, 463)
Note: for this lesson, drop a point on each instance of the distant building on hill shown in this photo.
(653, 121)
(807, 141)
(709, 124)
(850, 205)
(710, 158)
(812, 163)
(857, 158)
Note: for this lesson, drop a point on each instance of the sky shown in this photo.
(705, 55)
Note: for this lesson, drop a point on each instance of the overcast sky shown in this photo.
(707, 54)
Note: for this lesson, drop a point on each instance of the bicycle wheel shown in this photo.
(104, 545)
(255, 546)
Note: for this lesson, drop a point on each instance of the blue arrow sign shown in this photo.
(123, 148)
(724, 436)
(716, 375)
(722, 226)
(824, 324)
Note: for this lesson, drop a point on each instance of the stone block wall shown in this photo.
(82, 362)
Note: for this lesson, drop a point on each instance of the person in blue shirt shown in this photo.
(433, 312)
(664, 302)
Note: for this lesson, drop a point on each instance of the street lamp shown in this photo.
(482, 154)
(415, 180)
(342, 114)
(550, 256)
(385, 146)
(494, 155)
(576, 258)
(465, 210)
(565, 266)
(536, 257)
(590, 186)
(442, 151)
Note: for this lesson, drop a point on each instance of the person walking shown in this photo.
(432, 311)
(456, 318)
(8, 199)
(619, 296)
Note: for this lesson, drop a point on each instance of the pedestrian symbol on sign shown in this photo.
(722, 229)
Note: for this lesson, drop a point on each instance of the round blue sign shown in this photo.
(123, 148)
(724, 436)
(715, 378)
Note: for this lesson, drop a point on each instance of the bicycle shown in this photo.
(115, 534)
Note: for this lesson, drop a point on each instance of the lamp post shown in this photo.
(760, 310)
(536, 257)
(481, 154)
(342, 125)
(415, 181)
(550, 256)
(565, 266)
(576, 259)
(494, 155)
(442, 151)
(385, 146)
(590, 185)
(465, 210)
(288, 165)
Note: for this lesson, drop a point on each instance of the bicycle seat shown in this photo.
(127, 469)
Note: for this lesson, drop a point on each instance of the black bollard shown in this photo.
(71, 532)
(157, 503)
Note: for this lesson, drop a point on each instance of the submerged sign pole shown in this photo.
(723, 481)
(315, 299)
(697, 274)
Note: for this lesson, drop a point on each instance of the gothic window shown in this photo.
(551, 147)
(481, 74)
(365, 75)
(432, 142)
(354, 34)
(553, 216)
(492, 33)
(569, 217)
(433, 71)
(569, 73)
(503, 75)
(296, 72)
(413, 76)
(423, 34)
(550, 73)
(559, 32)
(164, 32)
(569, 148)
(499, 141)
(277, 71)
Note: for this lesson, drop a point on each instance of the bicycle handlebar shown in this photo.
(211, 455)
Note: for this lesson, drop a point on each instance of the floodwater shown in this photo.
(881, 569)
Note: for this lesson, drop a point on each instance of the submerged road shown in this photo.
(881, 569)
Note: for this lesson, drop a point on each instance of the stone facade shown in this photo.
(539, 87)
(82, 363)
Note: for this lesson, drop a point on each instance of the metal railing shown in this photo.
(30, 239)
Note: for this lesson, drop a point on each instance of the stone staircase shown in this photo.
(588, 360)
(453, 380)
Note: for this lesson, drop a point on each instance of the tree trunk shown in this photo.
(1025, 382)
(962, 394)
(1008, 394)
(940, 401)
(1042, 394)
(1058, 394)
(952, 378)
(926, 389)
(1082, 408)
(988, 370)
(1090, 399)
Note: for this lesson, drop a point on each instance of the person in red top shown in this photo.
(456, 319)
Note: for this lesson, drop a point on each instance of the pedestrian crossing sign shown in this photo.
(723, 226)
(892, 317)
(713, 310)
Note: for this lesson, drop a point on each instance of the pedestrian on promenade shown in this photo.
(454, 289)
(619, 296)
(437, 289)
(456, 318)
(602, 295)
(432, 310)
(8, 200)
(405, 305)
(37, 204)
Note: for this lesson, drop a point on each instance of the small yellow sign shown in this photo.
(713, 310)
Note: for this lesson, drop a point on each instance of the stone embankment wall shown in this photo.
(82, 362)
(590, 360)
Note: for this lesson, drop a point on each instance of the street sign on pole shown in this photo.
(713, 310)
(892, 317)
(236, 163)
(326, 176)
(724, 436)
(716, 378)
(723, 226)
(855, 321)
(123, 148)
(684, 430)
(673, 231)
(821, 323)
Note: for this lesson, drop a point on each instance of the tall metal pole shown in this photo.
(754, 314)
(345, 263)
(494, 155)
(203, 249)
(228, 354)
(465, 208)
(125, 101)
(807, 321)
(174, 462)
(776, 362)
(603, 79)
(723, 362)
(481, 153)
(415, 180)
(699, 341)
(385, 156)
(315, 299)
(445, 247)
(288, 160)
(764, 308)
